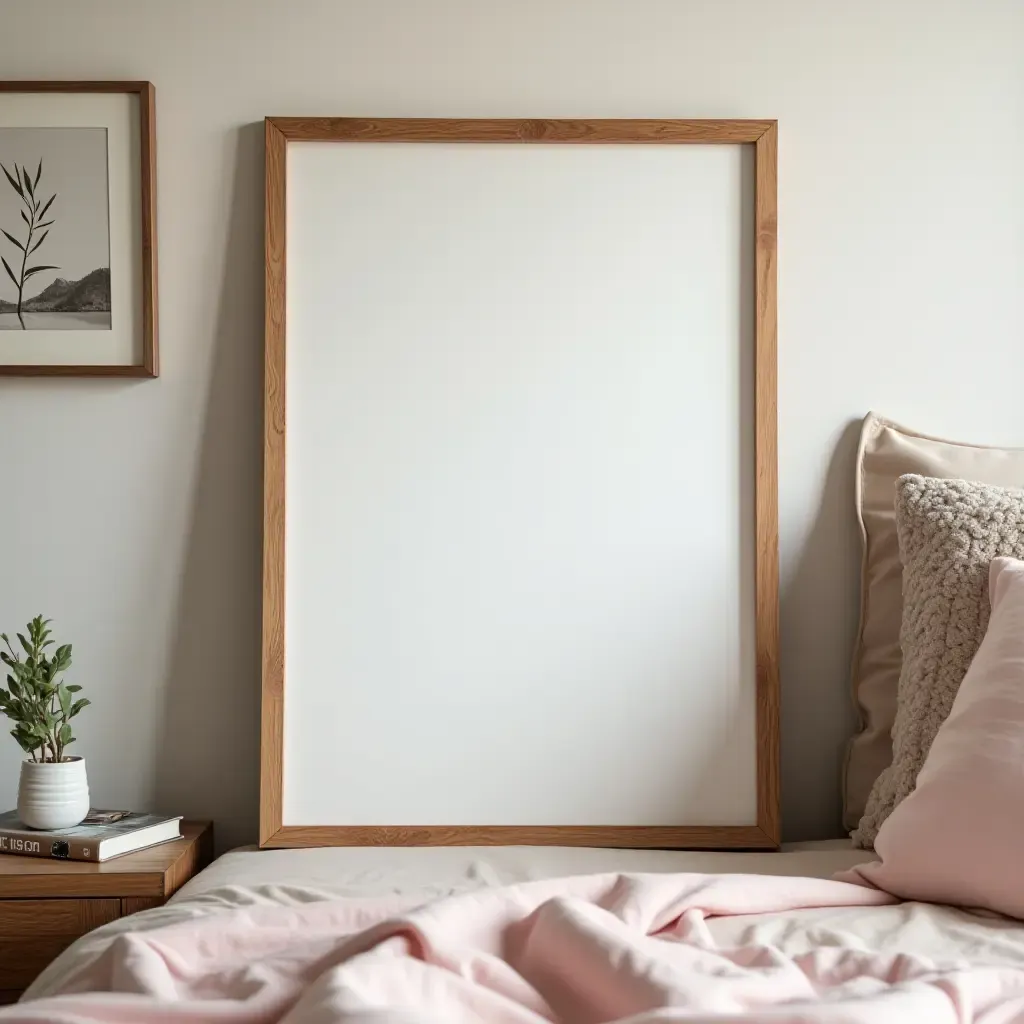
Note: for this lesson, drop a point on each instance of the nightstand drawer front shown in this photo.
(33, 932)
(34, 918)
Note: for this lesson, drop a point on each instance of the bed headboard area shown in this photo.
(520, 578)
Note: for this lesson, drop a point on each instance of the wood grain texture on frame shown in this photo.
(149, 366)
(723, 837)
(415, 129)
(147, 140)
(284, 131)
(272, 717)
(766, 490)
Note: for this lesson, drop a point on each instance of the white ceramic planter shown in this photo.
(53, 795)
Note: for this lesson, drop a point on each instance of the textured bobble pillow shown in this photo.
(959, 836)
(949, 531)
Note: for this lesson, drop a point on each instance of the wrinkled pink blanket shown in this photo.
(599, 948)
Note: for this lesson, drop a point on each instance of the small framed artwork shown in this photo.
(78, 223)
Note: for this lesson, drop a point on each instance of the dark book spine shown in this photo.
(46, 844)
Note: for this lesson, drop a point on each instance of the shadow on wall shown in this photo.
(823, 588)
(208, 749)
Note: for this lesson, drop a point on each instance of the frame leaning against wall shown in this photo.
(285, 132)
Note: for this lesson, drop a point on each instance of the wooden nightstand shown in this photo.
(46, 904)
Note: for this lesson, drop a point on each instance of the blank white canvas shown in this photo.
(519, 506)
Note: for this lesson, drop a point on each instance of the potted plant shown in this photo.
(53, 791)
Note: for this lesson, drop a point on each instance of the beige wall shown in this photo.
(901, 270)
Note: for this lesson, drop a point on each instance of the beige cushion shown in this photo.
(888, 451)
(949, 532)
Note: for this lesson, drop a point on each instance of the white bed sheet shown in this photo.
(440, 870)
(253, 877)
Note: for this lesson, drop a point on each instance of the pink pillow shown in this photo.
(959, 836)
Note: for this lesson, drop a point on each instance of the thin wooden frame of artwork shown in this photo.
(147, 365)
(762, 134)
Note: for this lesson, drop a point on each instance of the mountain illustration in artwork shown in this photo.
(89, 295)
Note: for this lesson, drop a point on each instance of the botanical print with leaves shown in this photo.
(54, 217)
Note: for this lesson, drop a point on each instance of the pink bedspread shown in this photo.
(599, 948)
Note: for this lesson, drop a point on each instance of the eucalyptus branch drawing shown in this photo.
(33, 215)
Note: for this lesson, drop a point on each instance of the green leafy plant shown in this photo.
(33, 214)
(40, 706)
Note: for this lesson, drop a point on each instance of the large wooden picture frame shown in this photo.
(285, 132)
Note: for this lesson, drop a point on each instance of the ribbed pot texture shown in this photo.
(53, 795)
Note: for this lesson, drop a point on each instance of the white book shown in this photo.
(101, 836)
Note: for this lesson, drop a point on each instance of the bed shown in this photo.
(245, 883)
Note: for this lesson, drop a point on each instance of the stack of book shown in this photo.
(100, 836)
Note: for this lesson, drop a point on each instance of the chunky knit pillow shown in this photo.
(949, 532)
